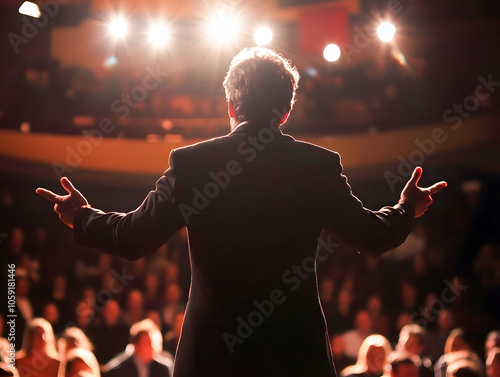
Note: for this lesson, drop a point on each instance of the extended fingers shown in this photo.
(68, 186)
(47, 194)
(415, 177)
(437, 187)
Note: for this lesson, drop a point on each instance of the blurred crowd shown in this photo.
(432, 304)
(331, 99)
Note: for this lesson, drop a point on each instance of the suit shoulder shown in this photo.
(315, 151)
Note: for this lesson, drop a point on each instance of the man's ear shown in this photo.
(285, 118)
(230, 108)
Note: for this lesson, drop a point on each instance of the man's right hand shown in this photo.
(420, 198)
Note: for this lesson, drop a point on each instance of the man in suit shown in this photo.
(145, 360)
(254, 203)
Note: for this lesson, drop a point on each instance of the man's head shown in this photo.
(259, 81)
(146, 338)
(402, 364)
(412, 339)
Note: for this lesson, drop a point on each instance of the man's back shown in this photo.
(251, 224)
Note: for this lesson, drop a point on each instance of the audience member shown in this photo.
(109, 335)
(80, 362)
(354, 337)
(38, 355)
(371, 359)
(145, 360)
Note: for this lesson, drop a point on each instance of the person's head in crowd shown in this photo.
(463, 368)
(59, 285)
(22, 283)
(155, 316)
(81, 362)
(363, 322)
(493, 362)
(446, 321)
(337, 345)
(259, 81)
(135, 300)
(492, 340)
(372, 356)
(419, 265)
(172, 273)
(344, 300)
(402, 364)
(466, 356)
(457, 341)
(16, 241)
(179, 319)
(147, 340)
(409, 293)
(327, 290)
(111, 313)
(84, 313)
(403, 319)
(50, 312)
(374, 305)
(39, 338)
(412, 339)
(88, 294)
(151, 282)
(172, 294)
(74, 337)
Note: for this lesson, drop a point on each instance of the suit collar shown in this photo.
(249, 127)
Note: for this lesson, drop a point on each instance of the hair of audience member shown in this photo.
(149, 327)
(84, 355)
(493, 362)
(370, 342)
(492, 340)
(457, 341)
(50, 343)
(260, 80)
(397, 358)
(411, 329)
(79, 338)
(8, 370)
(464, 368)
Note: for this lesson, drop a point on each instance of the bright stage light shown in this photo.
(223, 27)
(30, 9)
(331, 52)
(158, 35)
(118, 28)
(386, 31)
(263, 36)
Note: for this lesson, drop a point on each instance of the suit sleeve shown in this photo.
(138, 233)
(369, 232)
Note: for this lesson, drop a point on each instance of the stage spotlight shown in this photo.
(223, 27)
(331, 52)
(263, 36)
(30, 9)
(118, 28)
(158, 35)
(386, 31)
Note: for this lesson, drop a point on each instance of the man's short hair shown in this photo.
(412, 329)
(259, 81)
(146, 326)
(397, 358)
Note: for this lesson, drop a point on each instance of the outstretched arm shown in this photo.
(375, 232)
(129, 235)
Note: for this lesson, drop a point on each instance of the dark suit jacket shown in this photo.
(254, 202)
(157, 368)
